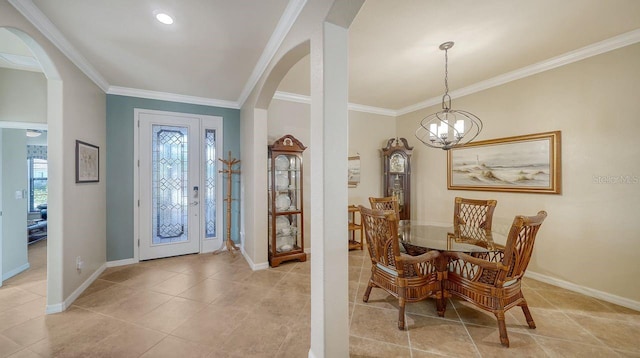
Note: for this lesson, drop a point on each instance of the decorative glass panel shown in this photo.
(169, 184)
(210, 183)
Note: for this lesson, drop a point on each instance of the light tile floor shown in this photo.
(215, 306)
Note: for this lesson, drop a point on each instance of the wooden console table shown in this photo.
(355, 227)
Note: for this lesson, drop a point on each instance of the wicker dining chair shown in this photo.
(493, 282)
(385, 203)
(408, 278)
(473, 212)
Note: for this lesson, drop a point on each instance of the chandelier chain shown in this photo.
(446, 72)
(446, 99)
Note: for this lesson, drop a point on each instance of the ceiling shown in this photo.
(216, 49)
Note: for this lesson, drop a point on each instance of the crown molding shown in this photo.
(288, 18)
(41, 22)
(24, 125)
(172, 97)
(373, 110)
(597, 48)
(292, 97)
(299, 98)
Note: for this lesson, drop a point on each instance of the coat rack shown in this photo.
(229, 171)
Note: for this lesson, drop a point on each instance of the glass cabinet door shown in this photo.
(287, 202)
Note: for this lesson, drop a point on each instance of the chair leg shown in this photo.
(527, 315)
(502, 328)
(441, 304)
(401, 303)
(367, 292)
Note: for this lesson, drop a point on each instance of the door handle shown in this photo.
(195, 202)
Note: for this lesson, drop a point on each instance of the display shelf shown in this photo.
(355, 228)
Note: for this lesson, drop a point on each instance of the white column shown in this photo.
(253, 172)
(329, 151)
(55, 182)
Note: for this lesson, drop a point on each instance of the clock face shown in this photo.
(396, 164)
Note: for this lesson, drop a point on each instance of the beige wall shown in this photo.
(592, 235)
(23, 96)
(293, 118)
(368, 133)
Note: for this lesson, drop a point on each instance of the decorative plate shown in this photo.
(281, 223)
(282, 181)
(284, 243)
(283, 202)
(282, 162)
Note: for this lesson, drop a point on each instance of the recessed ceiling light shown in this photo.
(164, 18)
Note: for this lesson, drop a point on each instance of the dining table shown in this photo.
(417, 238)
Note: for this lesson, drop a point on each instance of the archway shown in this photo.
(54, 126)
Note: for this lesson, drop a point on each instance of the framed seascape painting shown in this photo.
(87, 162)
(528, 163)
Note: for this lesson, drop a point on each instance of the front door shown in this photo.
(179, 184)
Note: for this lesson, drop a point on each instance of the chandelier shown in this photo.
(449, 128)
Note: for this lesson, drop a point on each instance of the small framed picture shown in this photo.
(87, 162)
(354, 171)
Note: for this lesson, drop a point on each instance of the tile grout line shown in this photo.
(564, 313)
(378, 341)
(355, 298)
(464, 325)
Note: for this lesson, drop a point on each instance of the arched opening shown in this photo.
(279, 71)
(54, 127)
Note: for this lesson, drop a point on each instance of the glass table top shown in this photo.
(446, 238)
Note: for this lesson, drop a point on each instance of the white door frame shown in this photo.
(208, 245)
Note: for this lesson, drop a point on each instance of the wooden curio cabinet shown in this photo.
(286, 217)
(397, 173)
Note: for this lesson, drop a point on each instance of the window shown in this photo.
(37, 183)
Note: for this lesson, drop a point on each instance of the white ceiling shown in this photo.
(217, 48)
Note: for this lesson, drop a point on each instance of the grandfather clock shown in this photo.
(397, 173)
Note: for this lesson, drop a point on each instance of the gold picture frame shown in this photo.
(526, 164)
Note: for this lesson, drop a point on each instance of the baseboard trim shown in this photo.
(59, 307)
(15, 271)
(608, 297)
(253, 265)
(56, 308)
(121, 262)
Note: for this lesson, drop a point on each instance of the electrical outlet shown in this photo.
(79, 263)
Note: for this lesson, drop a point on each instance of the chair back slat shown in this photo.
(473, 212)
(381, 232)
(519, 247)
(386, 203)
